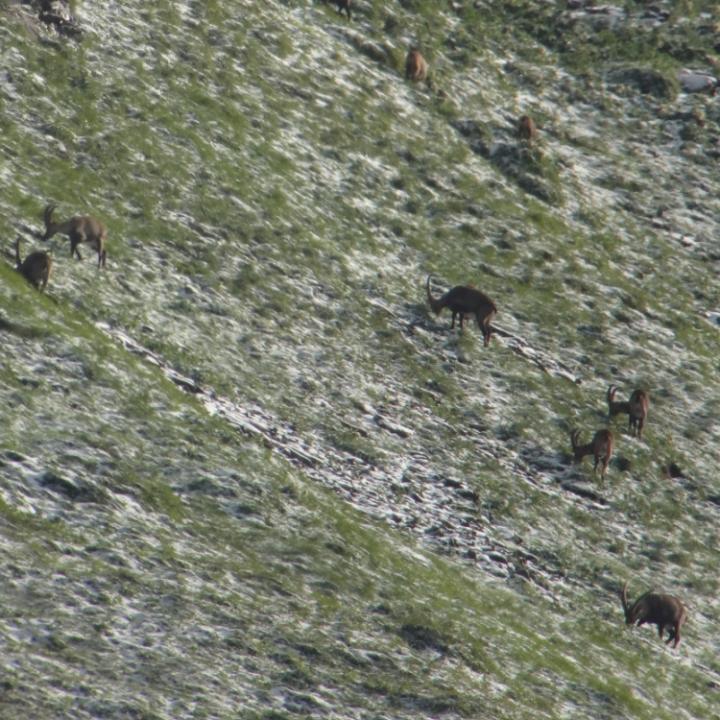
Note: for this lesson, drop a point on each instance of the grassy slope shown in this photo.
(275, 197)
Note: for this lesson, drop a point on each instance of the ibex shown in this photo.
(35, 268)
(600, 447)
(344, 5)
(636, 408)
(464, 300)
(416, 68)
(665, 611)
(80, 229)
(527, 129)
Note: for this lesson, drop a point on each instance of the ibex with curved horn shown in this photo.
(665, 611)
(636, 408)
(601, 447)
(80, 229)
(35, 268)
(464, 300)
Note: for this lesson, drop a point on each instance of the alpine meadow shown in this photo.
(359, 360)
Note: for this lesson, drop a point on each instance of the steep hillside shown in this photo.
(245, 471)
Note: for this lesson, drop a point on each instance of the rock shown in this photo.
(81, 493)
(692, 81)
(420, 637)
(647, 80)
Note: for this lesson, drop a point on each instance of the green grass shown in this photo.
(267, 186)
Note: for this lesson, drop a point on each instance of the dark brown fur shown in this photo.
(36, 267)
(600, 447)
(527, 130)
(80, 229)
(464, 300)
(416, 67)
(665, 611)
(636, 408)
(344, 5)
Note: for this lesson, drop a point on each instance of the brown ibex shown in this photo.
(665, 611)
(636, 408)
(416, 68)
(600, 447)
(527, 129)
(80, 229)
(35, 268)
(464, 300)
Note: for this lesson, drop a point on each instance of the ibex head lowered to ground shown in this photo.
(600, 447)
(416, 67)
(35, 268)
(464, 300)
(636, 408)
(80, 229)
(665, 611)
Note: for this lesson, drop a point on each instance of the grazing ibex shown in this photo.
(35, 268)
(464, 300)
(80, 229)
(416, 68)
(527, 129)
(600, 447)
(636, 408)
(665, 611)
